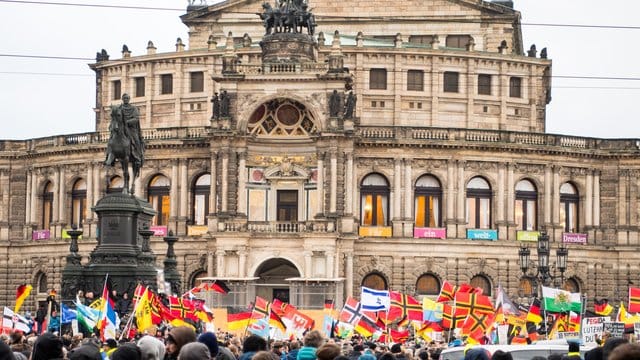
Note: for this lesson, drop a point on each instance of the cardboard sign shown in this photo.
(615, 328)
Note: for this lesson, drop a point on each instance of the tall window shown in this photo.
(526, 205)
(484, 84)
(115, 185)
(374, 281)
(197, 81)
(569, 199)
(479, 203)
(451, 81)
(515, 87)
(79, 202)
(458, 41)
(201, 191)
(428, 199)
(378, 79)
(159, 198)
(47, 205)
(116, 88)
(43, 283)
(140, 83)
(415, 80)
(166, 83)
(374, 201)
(287, 205)
(482, 282)
(428, 284)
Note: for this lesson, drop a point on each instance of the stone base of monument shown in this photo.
(123, 253)
(288, 47)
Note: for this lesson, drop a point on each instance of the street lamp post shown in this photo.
(543, 274)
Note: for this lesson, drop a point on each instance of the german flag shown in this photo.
(366, 326)
(328, 305)
(634, 300)
(22, 293)
(219, 286)
(399, 336)
(602, 307)
(404, 306)
(276, 321)
(447, 292)
(534, 312)
(237, 318)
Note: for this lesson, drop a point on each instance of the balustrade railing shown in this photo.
(281, 227)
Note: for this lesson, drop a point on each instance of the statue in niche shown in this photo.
(334, 104)
(350, 105)
(215, 100)
(225, 103)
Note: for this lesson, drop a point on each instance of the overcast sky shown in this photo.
(44, 97)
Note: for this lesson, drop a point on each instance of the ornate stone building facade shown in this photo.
(275, 179)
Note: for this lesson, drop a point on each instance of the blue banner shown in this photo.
(67, 315)
(474, 234)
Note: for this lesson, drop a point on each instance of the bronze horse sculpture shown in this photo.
(125, 143)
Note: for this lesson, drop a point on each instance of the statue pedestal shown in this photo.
(120, 253)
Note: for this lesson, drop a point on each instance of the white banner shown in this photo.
(591, 328)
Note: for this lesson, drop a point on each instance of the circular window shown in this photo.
(288, 115)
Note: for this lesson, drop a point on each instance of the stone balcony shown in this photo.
(278, 227)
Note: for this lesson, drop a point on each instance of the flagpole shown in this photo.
(246, 328)
(132, 313)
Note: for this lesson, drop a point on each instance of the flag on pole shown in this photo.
(237, 318)
(259, 327)
(374, 300)
(602, 307)
(557, 300)
(143, 310)
(634, 300)
(22, 293)
(87, 316)
(432, 311)
(534, 312)
(447, 292)
(503, 301)
(67, 314)
(14, 321)
(109, 321)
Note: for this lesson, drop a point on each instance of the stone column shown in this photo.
(307, 264)
(349, 272)
(56, 196)
(62, 195)
(329, 260)
(547, 195)
(242, 180)
(320, 209)
(184, 187)
(242, 263)
(408, 191)
(4, 192)
(27, 213)
(588, 201)
(210, 264)
(225, 179)
(98, 185)
(511, 195)
(556, 195)
(500, 195)
(173, 193)
(214, 179)
(334, 182)
(34, 196)
(623, 180)
(220, 263)
(397, 189)
(90, 186)
(461, 193)
(451, 190)
(596, 199)
(348, 184)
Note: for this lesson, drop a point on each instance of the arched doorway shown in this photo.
(272, 280)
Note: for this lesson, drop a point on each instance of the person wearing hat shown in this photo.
(46, 347)
(128, 351)
(216, 350)
(194, 351)
(109, 346)
(151, 348)
(177, 338)
(89, 350)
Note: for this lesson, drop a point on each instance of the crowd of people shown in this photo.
(183, 343)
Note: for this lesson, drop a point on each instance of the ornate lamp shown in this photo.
(524, 253)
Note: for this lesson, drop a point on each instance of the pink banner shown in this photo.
(159, 230)
(431, 233)
(574, 238)
(40, 235)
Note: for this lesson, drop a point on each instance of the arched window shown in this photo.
(374, 281)
(115, 184)
(79, 202)
(569, 199)
(526, 205)
(201, 189)
(374, 201)
(479, 203)
(159, 198)
(526, 288)
(428, 202)
(481, 281)
(428, 284)
(43, 285)
(571, 285)
(47, 205)
(194, 279)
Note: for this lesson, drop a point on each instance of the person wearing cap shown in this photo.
(47, 347)
(216, 350)
(574, 351)
(127, 351)
(109, 346)
(177, 338)
(151, 348)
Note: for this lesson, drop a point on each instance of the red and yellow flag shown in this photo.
(22, 293)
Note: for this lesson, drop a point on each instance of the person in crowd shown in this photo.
(278, 348)
(88, 350)
(625, 352)
(127, 351)
(476, 354)
(594, 354)
(294, 347)
(501, 355)
(312, 341)
(109, 346)
(423, 355)
(41, 316)
(574, 351)
(216, 350)
(610, 345)
(151, 348)
(328, 352)
(356, 352)
(251, 346)
(265, 355)
(177, 338)
(47, 346)
(194, 351)
(54, 322)
(6, 353)
(123, 304)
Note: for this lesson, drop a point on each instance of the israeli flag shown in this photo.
(374, 300)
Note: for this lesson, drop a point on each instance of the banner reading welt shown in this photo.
(475, 234)
(574, 238)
